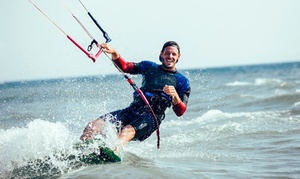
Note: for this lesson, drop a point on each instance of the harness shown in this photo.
(159, 101)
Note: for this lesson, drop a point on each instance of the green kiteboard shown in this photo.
(96, 152)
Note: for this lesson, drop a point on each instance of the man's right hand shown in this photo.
(108, 49)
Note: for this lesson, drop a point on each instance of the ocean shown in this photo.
(241, 122)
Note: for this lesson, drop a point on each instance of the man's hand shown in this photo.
(171, 91)
(108, 49)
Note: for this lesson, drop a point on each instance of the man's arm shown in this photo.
(126, 67)
(179, 105)
(179, 108)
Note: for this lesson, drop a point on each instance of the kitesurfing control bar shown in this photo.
(90, 55)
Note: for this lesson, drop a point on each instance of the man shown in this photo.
(163, 87)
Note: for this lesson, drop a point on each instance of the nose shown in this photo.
(170, 55)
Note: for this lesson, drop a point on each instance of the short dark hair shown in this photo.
(171, 43)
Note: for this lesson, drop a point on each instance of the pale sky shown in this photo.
(211, 33)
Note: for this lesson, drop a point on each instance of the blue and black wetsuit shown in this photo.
(155, 78)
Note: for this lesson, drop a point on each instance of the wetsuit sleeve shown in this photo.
(179, 108)
(127, 67)
(184, 94)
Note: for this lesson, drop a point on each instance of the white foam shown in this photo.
(258, 82)
(265, 81)
(239, 83)
(297, 103)
(38, 139)
(280, 92)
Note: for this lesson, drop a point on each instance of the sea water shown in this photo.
(241, 122)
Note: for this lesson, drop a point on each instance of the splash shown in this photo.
(43, 149)
(39, 142)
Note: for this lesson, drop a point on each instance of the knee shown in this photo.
(128, 129)
(128, 132)
(98, 123)
(92, 128)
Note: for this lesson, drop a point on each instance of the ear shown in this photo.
(178, 57)
(160, 57)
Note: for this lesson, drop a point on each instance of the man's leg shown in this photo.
(92, 128)
(127, 134)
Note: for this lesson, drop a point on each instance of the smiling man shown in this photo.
(163, 87)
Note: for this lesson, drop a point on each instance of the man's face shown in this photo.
(170, 56)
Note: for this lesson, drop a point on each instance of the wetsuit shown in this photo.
(138, 113)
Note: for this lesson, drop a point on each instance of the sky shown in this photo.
(211, 33)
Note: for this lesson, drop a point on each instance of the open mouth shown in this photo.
(169, 61)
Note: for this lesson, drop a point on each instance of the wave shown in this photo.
(296, 104)
(205, 137)
(239, 83)
(209, 135)
(281, 100)
(268, 81)
(261, 82)
(33, 145)
(42, 149)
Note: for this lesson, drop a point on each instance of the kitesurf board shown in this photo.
(96, 155)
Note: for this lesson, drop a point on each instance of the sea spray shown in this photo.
(40, 140)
